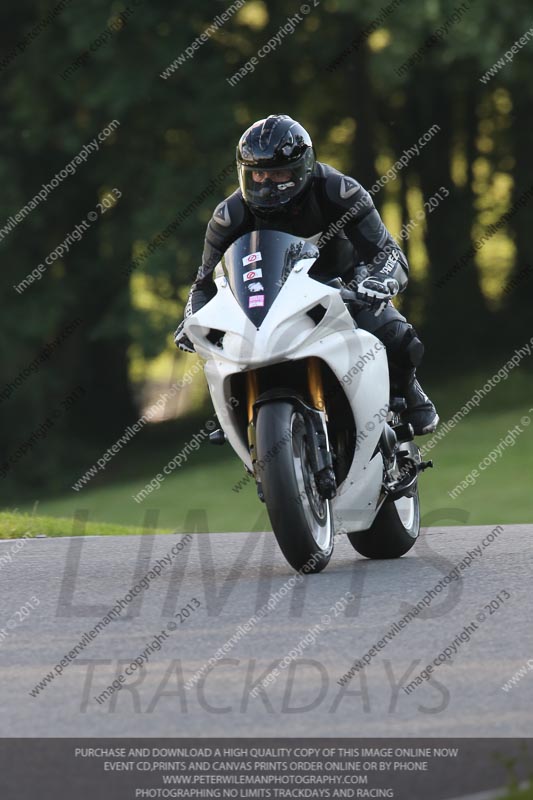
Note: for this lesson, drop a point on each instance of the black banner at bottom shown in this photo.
(131, 769)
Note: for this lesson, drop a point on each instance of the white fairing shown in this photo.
(356, 357)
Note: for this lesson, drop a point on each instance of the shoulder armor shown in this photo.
(345, 192)
(229, 214)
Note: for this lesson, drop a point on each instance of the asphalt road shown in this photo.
(76, 581)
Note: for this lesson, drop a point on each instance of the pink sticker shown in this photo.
(256, 300)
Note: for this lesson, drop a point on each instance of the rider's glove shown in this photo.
(378, 289)
(182, 340)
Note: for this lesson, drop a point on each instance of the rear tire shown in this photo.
(301, 519)
(396, 527)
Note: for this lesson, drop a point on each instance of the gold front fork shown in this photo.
(314, 378)
(251, 393)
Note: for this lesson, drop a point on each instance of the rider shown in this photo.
(283, 187)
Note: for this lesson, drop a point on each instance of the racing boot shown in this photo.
(420, 411)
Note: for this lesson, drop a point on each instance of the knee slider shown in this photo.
(414, 349)
(403, 345)
(392, 335)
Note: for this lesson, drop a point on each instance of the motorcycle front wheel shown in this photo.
(301, 519)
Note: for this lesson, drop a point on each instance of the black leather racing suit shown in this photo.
(354, 243)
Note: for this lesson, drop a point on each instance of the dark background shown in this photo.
(177, 135)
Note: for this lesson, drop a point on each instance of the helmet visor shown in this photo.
(272, 187)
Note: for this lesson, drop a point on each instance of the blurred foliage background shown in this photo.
(174, 137)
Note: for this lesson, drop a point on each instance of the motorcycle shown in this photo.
(310, 417)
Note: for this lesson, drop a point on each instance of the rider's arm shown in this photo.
(348, 202)
(229, 221)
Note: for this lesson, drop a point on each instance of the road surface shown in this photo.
(217, 582)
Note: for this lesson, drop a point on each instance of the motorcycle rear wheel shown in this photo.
(395, 528)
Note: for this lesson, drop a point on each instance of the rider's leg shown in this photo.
(404, 352)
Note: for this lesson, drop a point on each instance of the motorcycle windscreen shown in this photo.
(257, 266)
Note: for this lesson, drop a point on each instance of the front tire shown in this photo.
(301, 519)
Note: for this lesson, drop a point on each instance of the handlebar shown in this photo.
(352, 297)
(357, 302)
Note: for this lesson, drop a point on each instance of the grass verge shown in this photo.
(520, 794)
(210, 492)
(15, 525)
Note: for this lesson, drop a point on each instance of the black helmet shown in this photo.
(275, 162)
